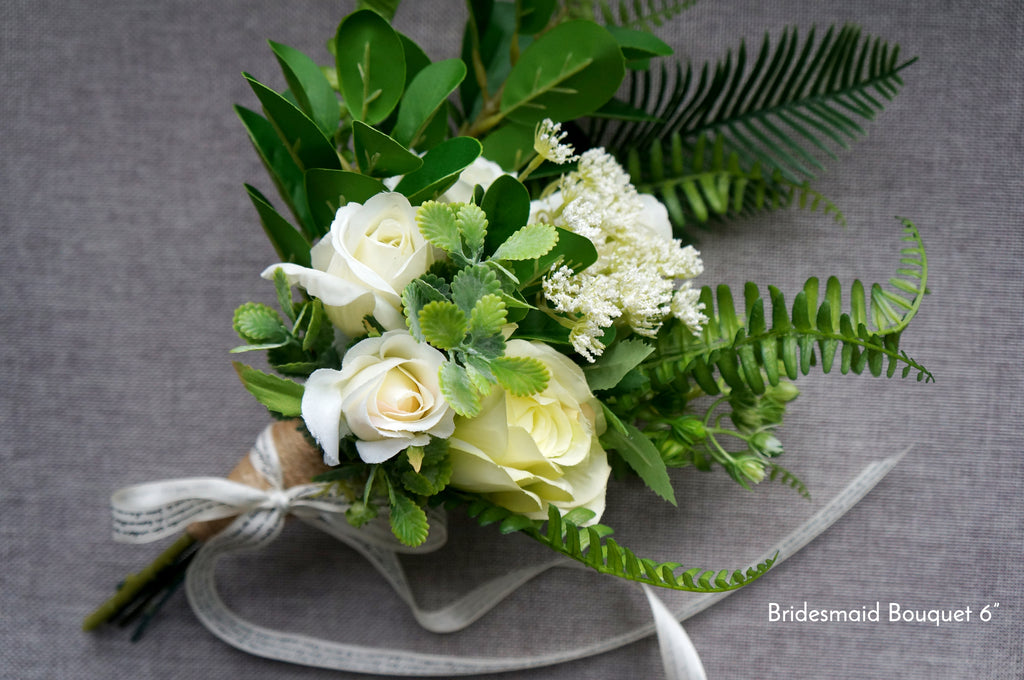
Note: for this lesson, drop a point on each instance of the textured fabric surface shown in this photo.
(128, 241)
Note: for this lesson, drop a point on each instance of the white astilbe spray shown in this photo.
(641, 275)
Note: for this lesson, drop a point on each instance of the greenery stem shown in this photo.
(134, 583)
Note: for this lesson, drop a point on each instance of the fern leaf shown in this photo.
(773, 341)
(593, 547)
(641, 14)
(796, 101)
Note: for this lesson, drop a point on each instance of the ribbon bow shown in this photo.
(148, 512)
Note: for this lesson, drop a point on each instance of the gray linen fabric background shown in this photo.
(128, 241)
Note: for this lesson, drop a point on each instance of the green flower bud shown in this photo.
(766, 443)
(784, 392)
(689, 429)
(752, 468)
(360, 513)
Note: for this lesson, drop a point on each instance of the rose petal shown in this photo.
(321, 411)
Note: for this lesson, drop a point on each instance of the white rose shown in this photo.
(654, 216)
(361, 266)
(524, 453)
(386, 394)
(481, 171)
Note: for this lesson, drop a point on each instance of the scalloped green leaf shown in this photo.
(437, 223)
(488, 317)
(257, 323)
(408, 520)
(528, 243)
(443, 324)
(521, 376)
(473, 283)
(458, 390)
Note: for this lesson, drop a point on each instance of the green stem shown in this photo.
(134, 583)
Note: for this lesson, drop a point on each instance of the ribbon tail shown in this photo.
(680, 657)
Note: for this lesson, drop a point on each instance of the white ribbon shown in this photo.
(148, 512)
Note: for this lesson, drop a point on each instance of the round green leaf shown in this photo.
(441, 168)
(371, 65)
(379, 155)
(424, 96)
(569, 72)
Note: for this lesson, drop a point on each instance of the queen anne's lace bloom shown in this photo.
(641, 275)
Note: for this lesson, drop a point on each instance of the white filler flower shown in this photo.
(641, 275)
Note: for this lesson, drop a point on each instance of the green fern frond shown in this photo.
(796, 101)
(704, 182)
(784, 476)
(771, 342)
(593, 547)
(642, 14)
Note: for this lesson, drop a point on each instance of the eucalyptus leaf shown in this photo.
(371, 65)
(533, 15)
(441, 168)
(328, 190)
(310, 87)
(300, 135)
(570, 71)
(379, 155)
(285, 173)
(424, 97)
(290, 245)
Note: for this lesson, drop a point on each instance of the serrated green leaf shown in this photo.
(277, 394)
(443, 324)
(284, 294)
(473, 225)
(435, 470)
(316, 327)
(528, 243)
(379, 155)
(257, 323)
(417, 293)
(424, 97)
(488, 316)
(615, 363)
(408, 521)
(437, 223)
(572, 250)
(641, 455)
(309, 86)
(521, 376)
(371, 65)
(458, 390)
(471, 284)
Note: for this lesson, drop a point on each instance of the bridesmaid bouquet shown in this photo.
(488, 296)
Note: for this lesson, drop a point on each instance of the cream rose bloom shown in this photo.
(361, 266)
(524, 453)
(386, 394)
